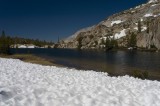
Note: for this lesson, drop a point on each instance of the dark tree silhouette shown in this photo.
(133, 40)
(4, 43)
(79, 42)
(139, 27)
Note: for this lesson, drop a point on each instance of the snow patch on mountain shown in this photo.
(152, 1)
(116, 22)
(144, 28)
(148, 15)
(121, 34)
(142, 19)
(157, 15)
(154, 5)
(136, 28)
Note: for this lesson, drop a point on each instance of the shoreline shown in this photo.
(30, 58)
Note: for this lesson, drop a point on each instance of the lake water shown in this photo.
(113, 62)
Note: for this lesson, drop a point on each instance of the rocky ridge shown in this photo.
(121, 25)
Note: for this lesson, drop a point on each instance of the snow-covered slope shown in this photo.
(25, 84)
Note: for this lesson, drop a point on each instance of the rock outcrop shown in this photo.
(152, 38)
(121, 25)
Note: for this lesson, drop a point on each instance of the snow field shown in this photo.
(25, 84)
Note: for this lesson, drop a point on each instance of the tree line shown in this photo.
(7, 41)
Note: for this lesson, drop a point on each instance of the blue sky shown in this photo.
(48, 19)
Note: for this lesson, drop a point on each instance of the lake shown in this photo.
(113, 62)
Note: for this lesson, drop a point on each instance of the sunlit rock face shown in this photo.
(121, 25)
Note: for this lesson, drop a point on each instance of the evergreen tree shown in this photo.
(107, 44)
(103, 42)
(111, 43)
(147, 27)
(133, 40)
(139, 27)
(128, 40)
(4, 44)
(115, 43)
(79, 42)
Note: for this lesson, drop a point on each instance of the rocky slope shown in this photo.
(121, 25)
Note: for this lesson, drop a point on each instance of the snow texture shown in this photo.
(133, 11)
(144, 28)
(22, 46)
(142, 20)
(104, 38)
(121, 34)
(157, 15)
(152, 1)
(137, 6)
(25, 84)
(116, 22)
(136, 28)
(31, 47)
(148, 15)
(153, 5)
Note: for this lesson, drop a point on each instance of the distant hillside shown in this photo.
(143, 21)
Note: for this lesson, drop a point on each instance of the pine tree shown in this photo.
(4, 44)
(107, 44)
(102, 41)
(79, 42)
(128, 40)
(133, 40)
(111, 43)
(139, 27)
(147, 27)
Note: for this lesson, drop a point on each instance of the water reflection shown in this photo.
(115, 62)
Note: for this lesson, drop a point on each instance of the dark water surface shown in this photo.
(114, 62)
